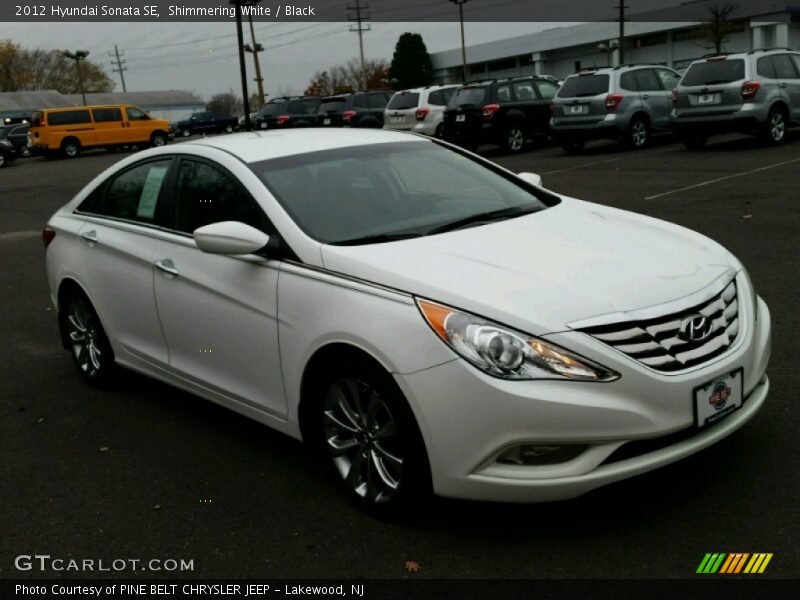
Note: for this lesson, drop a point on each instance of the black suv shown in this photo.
(506, 112)
(18, 136)
(284, 113)
(359, 109)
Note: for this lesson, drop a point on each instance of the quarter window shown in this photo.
(765, 67)
(784, 69)
(132, 195)
(524, 91)
(504, 93)
(206, 194)
(629, 82)
(547, 89)
(669, 79)
(648, 82)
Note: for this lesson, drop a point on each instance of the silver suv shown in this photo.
(420, 110)
(628, 102)
(754, 92)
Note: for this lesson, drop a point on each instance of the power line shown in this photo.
(119, 61)
(358, 14)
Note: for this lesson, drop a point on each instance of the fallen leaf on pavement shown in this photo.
(104, 449)
(412, 566)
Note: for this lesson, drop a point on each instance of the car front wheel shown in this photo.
(158, 140)
(186, 133)
(371, 438)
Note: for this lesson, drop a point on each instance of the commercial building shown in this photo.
(561, 51)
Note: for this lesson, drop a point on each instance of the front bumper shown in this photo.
(468, 418)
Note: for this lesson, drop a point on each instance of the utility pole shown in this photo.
(238, 5)
(621, 49)
(78, 56)
(119, 62)
(359, 14)
(461, 4)
(255, 49)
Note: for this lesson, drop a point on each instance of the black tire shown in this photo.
(158, 139)
(637, 136)
(694, 142)
(514, 138)
(358, 408)
(773, 132)
(228, 128)
(83, 335)
(572, 145)
(70, 148)
(439, 133)
(25, 152)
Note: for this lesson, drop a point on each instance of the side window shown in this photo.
(628, 81)
(206, 194)
(784, 69)
(504, 93)
(648, 82)
(524, 91)
(437, 98)
(361, 101)
(378, 101)
(547, 89)
(765, 67)
(132, 195)
(106, 115)
(69, 117)
(136, 114)
(669, 80)
(796, 60)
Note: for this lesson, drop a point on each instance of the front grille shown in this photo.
(655, 342)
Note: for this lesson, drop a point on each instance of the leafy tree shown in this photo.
(411, 63)
(25, 70)
(224, 105)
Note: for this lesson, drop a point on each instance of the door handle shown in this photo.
(783, 84)
(166, 266)
(90, 237)
(646, 97)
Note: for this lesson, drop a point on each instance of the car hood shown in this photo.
(540, 272)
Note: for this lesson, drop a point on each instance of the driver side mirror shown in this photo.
(230, 237)
(531, 178)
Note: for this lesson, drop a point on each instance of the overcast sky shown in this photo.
(202, 56)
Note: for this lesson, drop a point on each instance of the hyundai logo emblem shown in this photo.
(695, 328)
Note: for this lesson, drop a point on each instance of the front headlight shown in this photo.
(504, 352)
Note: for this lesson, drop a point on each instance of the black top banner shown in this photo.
(386, 10)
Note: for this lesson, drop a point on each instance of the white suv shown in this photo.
(420, 110)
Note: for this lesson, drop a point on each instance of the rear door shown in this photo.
(655, 99)
(116, 250)
(109, 126)
(219, 313)
(787, 71)
(582, 99)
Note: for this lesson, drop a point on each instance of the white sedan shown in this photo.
(427, 319)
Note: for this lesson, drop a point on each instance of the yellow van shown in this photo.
(71, 129)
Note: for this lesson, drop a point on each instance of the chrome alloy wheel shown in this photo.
(83, 337)
(362, 438)
(516, 139)
(777, 126)
(638, 133)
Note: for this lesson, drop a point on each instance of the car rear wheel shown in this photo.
(186, 132)
(24, 151)
(228, 128)
(3, 160)
(694, 142)
(86, 340)
(371, 438)
(774, 132)
(638, 134)
(514, 139)
(572, 146)
(70, 148)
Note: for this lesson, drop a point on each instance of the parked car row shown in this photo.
(357, 109)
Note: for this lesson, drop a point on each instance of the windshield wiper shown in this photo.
(480, 218)
(380, 238)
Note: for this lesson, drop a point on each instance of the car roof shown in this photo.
(256, 146)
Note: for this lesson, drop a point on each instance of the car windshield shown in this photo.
(714, 71)
(332, 106)
(389, 191)
(467, 96)
(403, 101)
(584, 85)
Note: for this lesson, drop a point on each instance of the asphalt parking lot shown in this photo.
(144, 470)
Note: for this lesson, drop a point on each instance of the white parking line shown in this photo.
(591, 164)
(718, 179)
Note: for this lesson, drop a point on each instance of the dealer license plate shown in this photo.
(718, 398)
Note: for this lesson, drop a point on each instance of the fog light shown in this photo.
(540, 454)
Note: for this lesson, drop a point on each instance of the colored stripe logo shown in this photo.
(734, 563)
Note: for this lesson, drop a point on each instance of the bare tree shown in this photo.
(224, 105)
(349, 77)
(718, 26)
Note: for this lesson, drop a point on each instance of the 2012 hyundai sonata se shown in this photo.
(426, 318)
